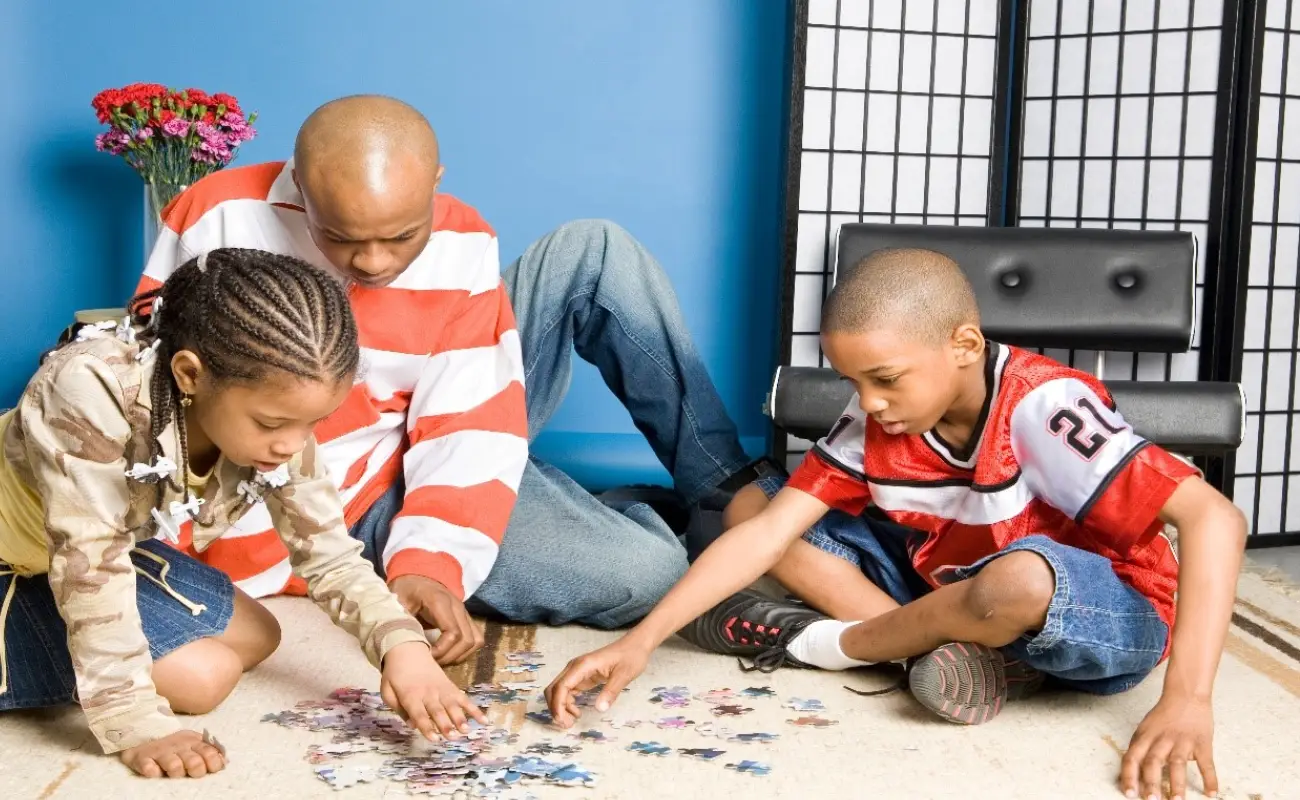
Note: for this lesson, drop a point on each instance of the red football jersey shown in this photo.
(1050, 455)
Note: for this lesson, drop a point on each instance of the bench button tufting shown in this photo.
(1126, 280)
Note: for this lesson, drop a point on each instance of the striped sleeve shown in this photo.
(194, 221)
(468, 432)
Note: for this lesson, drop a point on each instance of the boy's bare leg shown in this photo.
(829, 584)
(1007, 598)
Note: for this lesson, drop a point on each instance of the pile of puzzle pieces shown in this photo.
(471, 766)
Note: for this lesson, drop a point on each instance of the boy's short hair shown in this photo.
(919, 291)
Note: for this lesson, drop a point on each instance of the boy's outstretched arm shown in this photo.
(1211, 540)
(733, 562)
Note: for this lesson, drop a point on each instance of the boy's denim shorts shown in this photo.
(1102, 636)
(36, 639)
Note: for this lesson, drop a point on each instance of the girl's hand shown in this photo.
(178, 755)
(415, 687)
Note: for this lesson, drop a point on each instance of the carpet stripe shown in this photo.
(1264, 664)
(1266, 636)
(1270, 618)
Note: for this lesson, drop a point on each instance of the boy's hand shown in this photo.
(178, 755)
(1176, 731)
(435, 606)
(614, 665)
(414, 686)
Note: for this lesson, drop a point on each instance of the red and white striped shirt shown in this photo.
(440, 397)
(1050, 455)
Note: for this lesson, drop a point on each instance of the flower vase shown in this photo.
(156, 198)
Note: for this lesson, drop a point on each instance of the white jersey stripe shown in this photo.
(955, 502)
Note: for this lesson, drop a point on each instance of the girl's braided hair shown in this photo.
(246, 314)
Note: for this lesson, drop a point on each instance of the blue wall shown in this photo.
(664, 115)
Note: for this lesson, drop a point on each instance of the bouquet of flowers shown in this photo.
(171, 138)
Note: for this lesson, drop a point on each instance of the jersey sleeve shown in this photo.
(832, 470)
(1078, 454)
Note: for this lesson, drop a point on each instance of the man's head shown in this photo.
(903, 326)
(368, 167)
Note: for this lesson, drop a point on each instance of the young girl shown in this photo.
(170, 426)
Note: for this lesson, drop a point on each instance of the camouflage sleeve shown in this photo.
(76, 434)
(308, 514)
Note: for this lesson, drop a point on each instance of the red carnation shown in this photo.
(231, 104)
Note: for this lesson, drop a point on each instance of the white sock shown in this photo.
(819, 645)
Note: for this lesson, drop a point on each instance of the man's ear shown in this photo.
(187, 367)
(437, 179)
(967, 344)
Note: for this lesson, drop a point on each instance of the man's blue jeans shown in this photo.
(590, 287)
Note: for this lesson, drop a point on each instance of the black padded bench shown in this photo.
(1070, 288)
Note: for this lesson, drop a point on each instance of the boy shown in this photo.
(1033, 542)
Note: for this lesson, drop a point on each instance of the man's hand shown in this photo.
(1176, 731)
(413, 685)
(179, 755)
(435, 606)
(614, 665)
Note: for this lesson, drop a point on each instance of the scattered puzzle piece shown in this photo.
(804, 706)
(593, 735)
(621, 723)
(516, 669)
(752, 767)
(208, 738)
(547, 748)
(533, 766)
(754, 737)
(675, 723)
(543, 716)
(813, 721)
(650, 748)
(730, 711)
(572, 775)
(758, 691)
(717, 696)
(702, 753)
(671, 696)
(525, 655)
(344, 777)
(709, 729)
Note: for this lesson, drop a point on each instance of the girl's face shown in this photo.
(260, 425)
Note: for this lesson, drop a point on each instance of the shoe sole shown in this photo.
(961, 682)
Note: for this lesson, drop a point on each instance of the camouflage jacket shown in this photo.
(82, 423)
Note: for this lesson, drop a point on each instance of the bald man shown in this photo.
(462, 367)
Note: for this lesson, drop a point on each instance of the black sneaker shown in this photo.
(969, 683)
(751, 624)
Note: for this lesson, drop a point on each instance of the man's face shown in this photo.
(370, 236)
(907, 385)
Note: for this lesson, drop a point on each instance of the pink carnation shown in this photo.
(113, 141)
(144, 134)
(176, 127)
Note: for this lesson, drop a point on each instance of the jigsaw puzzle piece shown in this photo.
(702, 753)
(345, 777)
(572, 775)
(752, 767)
(649, 748)
(813, 721)
(804, 706)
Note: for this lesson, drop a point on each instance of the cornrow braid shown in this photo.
(246, 314)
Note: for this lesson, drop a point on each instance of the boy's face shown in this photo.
(905, 383)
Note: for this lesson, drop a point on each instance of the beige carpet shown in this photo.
(1064, 746)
